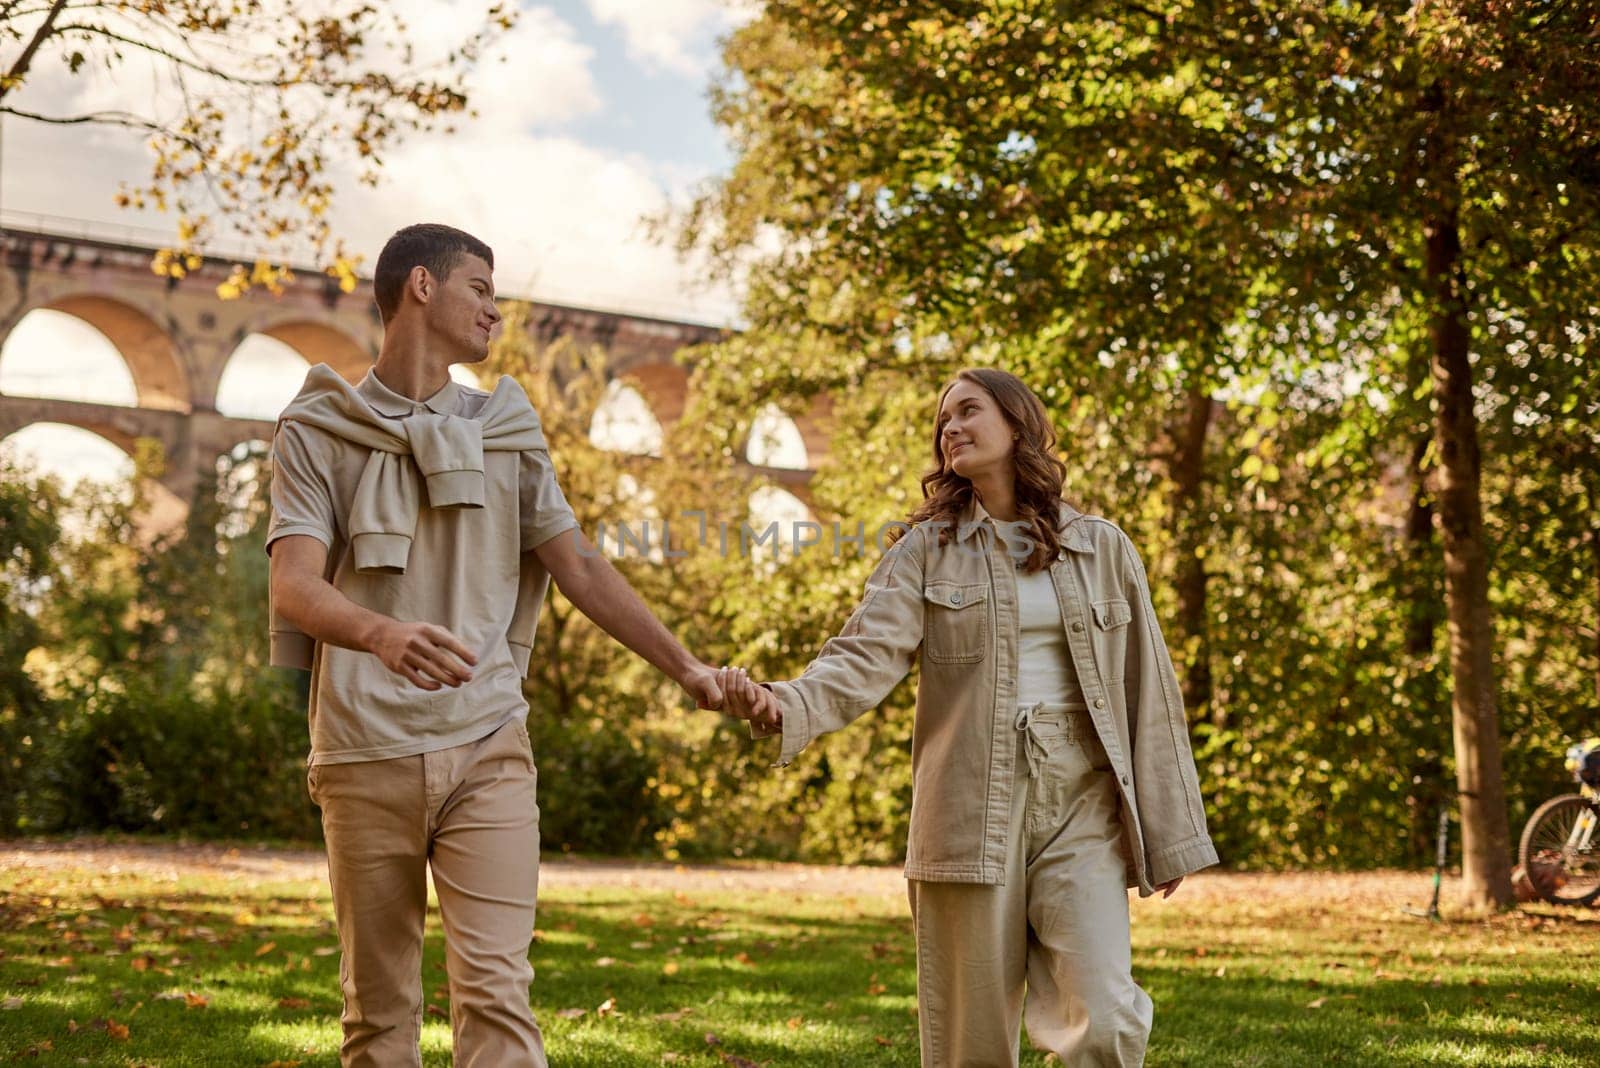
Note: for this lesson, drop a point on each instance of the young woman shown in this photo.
(1051, 766)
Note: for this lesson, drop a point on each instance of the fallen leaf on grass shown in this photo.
(116, 1030)
(882, 1041)
(282, 1064)
(744, 958)
(36, 1049)
(605, 962)
(292, 1004)
(434, 1010)
(672, 1017)
(324, 951)
(793, 1023)
(11, 1003)
(608, 1007)
(670, 968)
(265, 948)
(572, 1014)
(195, 1001)
(739, 1062)
(1317, 1004)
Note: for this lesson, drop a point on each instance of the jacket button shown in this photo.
(1099, 704)
(955, 598)
(1078, 627)
(1124, 780)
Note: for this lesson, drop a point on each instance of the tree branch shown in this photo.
(104, 118)
(14, 76)
(173, 57)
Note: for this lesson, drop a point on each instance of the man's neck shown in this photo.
(406, 366)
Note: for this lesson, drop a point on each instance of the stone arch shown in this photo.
(776, 441)
(322, 343)
(664, 387)
(624, 421)
(148, 350)
(311, 341)
(165, 507)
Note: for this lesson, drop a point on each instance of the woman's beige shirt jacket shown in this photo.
(955, 605)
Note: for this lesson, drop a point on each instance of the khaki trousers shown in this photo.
(470, 813)
(1051, 945)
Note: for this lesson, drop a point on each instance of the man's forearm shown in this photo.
(604, 596)
(322, 612)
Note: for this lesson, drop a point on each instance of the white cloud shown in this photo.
(567, 221)
(666, 33)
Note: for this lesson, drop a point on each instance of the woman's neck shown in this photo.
(999, 496)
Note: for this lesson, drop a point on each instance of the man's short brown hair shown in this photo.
(435, 246)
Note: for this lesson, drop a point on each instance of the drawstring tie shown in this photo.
(1032, 746)
(1030, 717)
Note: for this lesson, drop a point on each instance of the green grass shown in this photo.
(1292, 970)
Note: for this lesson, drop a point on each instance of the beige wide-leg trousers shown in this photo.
(470, 813)
(1049, 947)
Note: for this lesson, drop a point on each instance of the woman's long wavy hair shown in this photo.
(1040, 473)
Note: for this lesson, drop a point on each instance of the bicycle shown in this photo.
(1560, 847)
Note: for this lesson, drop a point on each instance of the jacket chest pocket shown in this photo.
(1111, 633)
(956, 622)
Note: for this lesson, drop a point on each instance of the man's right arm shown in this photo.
(429, 656)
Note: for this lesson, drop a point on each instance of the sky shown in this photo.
(593, 119)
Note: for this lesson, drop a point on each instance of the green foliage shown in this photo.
(162, 715)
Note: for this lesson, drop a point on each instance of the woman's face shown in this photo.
(974, 437)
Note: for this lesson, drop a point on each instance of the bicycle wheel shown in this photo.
(1564, 872)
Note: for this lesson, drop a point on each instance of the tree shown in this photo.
(266, 98)
(1170, 197)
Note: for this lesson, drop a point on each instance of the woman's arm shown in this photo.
(857, 668)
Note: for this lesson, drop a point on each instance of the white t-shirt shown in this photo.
(1044, 670)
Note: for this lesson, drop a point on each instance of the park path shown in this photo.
(250, 863)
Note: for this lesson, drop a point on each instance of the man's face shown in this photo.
(463, 313)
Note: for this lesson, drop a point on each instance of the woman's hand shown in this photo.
(743, 699)
(1170, 888)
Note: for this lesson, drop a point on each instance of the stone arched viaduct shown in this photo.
(176, 336)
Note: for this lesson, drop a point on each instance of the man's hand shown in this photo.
(748, 701)
(703, 684)
(429, 656)
(1169, 888)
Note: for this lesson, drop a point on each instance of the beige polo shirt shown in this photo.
(462, 575)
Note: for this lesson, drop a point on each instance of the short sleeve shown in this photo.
(302, 500)
(545, 511)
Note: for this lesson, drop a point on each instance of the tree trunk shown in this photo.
(1188, 477)
(1594, 544)
(1422, 611)
(1423, 603)
(1485, 834)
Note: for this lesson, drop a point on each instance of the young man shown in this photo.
(416, 525)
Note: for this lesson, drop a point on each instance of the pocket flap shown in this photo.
(1110, 614)
(954, 594)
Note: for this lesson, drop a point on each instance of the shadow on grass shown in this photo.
(816, 982)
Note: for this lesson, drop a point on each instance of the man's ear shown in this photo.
(420, 283)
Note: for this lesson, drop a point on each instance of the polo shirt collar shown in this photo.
(386, 401)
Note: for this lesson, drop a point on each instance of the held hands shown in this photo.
(746, 700)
